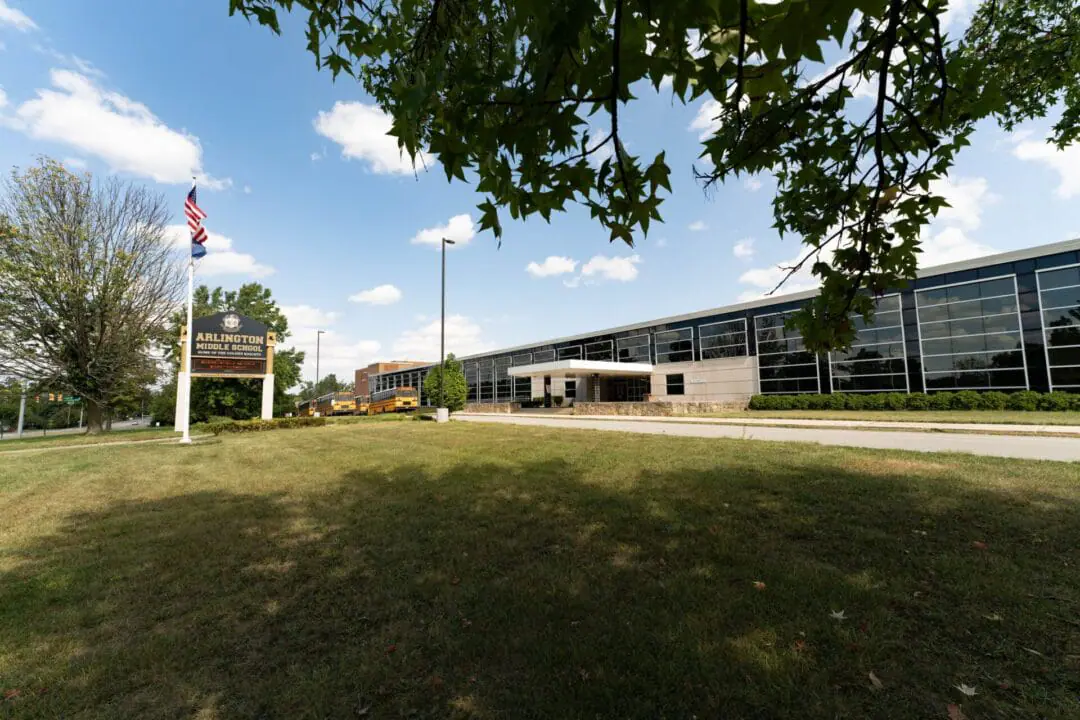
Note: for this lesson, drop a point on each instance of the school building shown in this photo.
(1003, 322)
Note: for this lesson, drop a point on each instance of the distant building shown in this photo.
(362, 386)
(1003, 322)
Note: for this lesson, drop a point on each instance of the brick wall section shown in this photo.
(657, 408)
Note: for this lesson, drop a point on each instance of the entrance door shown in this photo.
(547, 391)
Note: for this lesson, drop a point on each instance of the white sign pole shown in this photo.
(185, 397)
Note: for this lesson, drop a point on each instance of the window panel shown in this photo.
(1065, 377)
(1068, 298)
(570, 353)
(784, 364)
(973, 338)
(722, 339)
(602, 350)
(674, 345)
(675, 385)
(503, 386)
(486, 373)
(633, 349)
(1065, 277)
(543, 356)
(876, 360)
(1064, 356)
(800, 358)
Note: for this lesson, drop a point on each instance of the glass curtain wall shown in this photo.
(674, 345)
(722, 339)
(876, 360)
(1059, 302)
(970, 336)
(784, 364)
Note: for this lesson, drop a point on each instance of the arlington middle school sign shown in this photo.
(230, 345)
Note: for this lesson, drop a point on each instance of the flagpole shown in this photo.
(187, 346)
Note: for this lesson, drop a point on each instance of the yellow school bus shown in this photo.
(305, 408)
(338, 403)
(360, 405)
(400, 399)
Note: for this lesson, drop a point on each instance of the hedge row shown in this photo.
(218, 427)
(963, 400)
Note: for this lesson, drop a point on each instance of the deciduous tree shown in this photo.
(88, 281)
(456, 387)
(524, 96)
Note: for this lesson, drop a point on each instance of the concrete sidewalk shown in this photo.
(843, 424)
(1065, 449)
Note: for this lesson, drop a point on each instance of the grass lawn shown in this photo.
(1007, 417)
(385, 570)
(34, 440)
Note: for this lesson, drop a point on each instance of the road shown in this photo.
(117, 426)
(1065, 449)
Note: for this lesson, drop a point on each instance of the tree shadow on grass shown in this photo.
(527, 590)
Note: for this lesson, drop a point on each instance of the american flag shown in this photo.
(195, 216)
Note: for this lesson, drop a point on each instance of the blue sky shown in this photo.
(305, 193)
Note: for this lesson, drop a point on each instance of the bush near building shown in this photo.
(962, 400)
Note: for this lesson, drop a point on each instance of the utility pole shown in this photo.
(441, 413)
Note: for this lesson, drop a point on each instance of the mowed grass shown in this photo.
(995, 417)
(385, 570)
(36, 439)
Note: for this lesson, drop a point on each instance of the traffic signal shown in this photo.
(52, 398)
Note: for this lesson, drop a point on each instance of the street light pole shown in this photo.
(441, 412)
(318, 343)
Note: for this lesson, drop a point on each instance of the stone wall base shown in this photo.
(490, 407)
(658, 408)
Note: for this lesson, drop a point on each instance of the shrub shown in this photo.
(557, 400)
(873, 401)
(940, 401)
(799, 402)
(241, 426)
(853, 401)
(1023, 400)
(1056, 401)
(895, 401)
(836, 401)
(917, 401)
(993, 400)
(817, 402)
(966, 400)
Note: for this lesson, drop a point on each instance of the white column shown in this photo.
(268, 397)
(183, 390)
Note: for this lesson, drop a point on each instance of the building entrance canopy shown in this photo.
(582, 367)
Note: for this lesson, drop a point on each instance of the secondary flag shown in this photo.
(195, 216)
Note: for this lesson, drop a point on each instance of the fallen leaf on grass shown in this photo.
(838, 615)
(979, 545)
(800, 645)
(10, 694)
(758, 585)
(455, 581)
(955, 713)
(390, 649)
(875, 681)
(967, 690)
(994, 617)
(1034, 652)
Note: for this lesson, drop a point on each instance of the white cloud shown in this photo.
(744, 249)
(463, 337)
(948, 246)
(337, 353)
(74, 163)
(752, 184)
(957, 16)
(317, 156)
(15, 18)
(572, 282)
(697, 226)
(381, 295)
(459, 228)
(661, 242)
(120, 131)
(1065, 162)
(553, 265)
(966, 197)
(247, 189)
(623, 269)
(361, 131)
(707, 119)
(220, 258)
(3, 98)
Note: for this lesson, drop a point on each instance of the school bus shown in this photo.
(361, 405)
(337, 403)
(400, 399)
(305, 408)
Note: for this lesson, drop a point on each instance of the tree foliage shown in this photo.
(236, 398)
(87, 283)
(512, 92)
(456, 388)
(326, 385)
